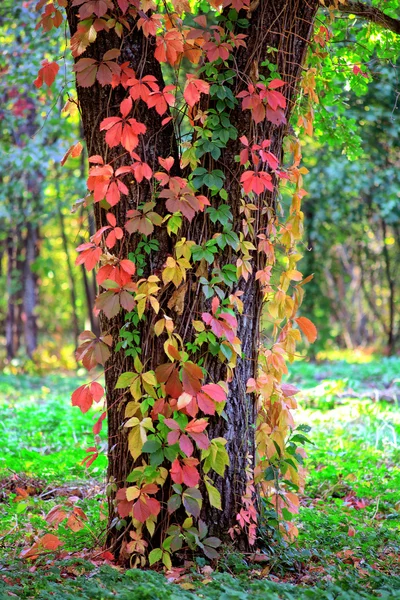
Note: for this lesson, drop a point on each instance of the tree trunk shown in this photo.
(30, 289)
(282, 24)
(71, 277)
(10, 318)
(391, 339)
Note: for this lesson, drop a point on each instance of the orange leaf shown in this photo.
(74, 151)
(308, 328)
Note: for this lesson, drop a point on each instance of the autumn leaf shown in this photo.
(143, 220)
(184, 471)
(122, 131)
(85, 395)
(74, 151)
(89, 255)
(308, 328)
(47, 74)
(169, 375)
(149, 23)
(90, 7)
(88, 69)
(48, 542)
(138, 434)
(256, 182)
(140, 169)
(169, 47)
(194, 87)
(93, 350)
(142, 88)
(162, 99)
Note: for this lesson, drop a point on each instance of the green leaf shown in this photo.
(151, 445)
(174, 503)
(155, 556)
(216, 457)
(213, 494)
(125, 380)
(222, 214)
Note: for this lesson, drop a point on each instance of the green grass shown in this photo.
(348, 546)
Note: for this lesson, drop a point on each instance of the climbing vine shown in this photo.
(177, 260)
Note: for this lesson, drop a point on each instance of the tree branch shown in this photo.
(370, 13)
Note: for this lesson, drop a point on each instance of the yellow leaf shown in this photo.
(136, 388)
(166, 559)
(198, 325)
(138, 364)
(162, 476)
(182, 248)
(150, 524)
(135, 442)
(141, 305)
(132, 422)
(159, 327)
(155, 304)
(132, 493)
(150, 378)
(131, 409)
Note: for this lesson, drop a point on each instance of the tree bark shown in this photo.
(391, 339)
(30, 289)
(10, 318)
(286, 25)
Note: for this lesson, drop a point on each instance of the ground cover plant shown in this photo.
(348, 544)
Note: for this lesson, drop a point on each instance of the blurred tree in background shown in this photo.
(352, 220)
(46, 298)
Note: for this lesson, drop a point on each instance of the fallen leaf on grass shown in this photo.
(47, 542)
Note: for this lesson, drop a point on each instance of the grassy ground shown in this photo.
(348, 546)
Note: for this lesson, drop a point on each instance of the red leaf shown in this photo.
(47, 542)
(185, 473)
(172, 424)
(275, 83)
(90, 7)
(46, 74)
(97, 427)
(206, 404)
(85, 395)
(196, 426)
(89, 255)
(194, 87)
(201, 440)
(168, 374)
(190, 474)
(186, 445)
(166, 163)
(176, 472)
(215, 391)
(128, 266)
(256, 182)
(192, 376)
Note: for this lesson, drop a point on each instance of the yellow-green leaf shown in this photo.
(213, 494)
